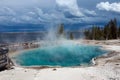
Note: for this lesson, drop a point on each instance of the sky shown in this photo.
(32, 15)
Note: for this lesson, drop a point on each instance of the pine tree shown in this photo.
(87, 34)
(93, 32)
(71, 36)
(61, 29)
(119, 32)
(106, 31)
(61, 32)
(113, 29)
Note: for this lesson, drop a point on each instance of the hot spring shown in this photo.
(64, 55)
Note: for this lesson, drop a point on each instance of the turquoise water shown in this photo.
(60, 55)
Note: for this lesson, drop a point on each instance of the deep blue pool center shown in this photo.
(59, 55)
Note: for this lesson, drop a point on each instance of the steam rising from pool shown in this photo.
(59, 55)
(56, 50)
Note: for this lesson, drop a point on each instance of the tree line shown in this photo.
(110, 31)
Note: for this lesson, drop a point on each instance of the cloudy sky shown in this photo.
(34, 14)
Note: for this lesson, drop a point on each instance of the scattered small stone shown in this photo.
(25, 71)
(116, 64)
(92, 76)
(54, 69)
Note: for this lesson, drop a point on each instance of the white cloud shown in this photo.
(115, 7)
(54, 16)
(88, 12)
(7, 11)
(71, 6)
(37, 15)
(26, 18)
(23, 4)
